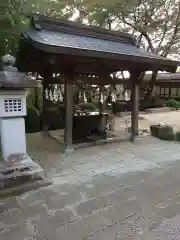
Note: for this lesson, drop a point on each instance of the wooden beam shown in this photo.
(88, 80)
(167, 84)
(68, 98)
(108, 81)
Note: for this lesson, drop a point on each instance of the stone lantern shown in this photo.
(13, 86)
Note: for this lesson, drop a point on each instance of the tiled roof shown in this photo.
(65, 37)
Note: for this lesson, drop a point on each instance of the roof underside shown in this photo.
(64, 37)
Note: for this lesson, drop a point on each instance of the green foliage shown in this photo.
(32, 120)
(14, 19)
(87, 106)
(165, 133)
(56, 119)
(177, 136)
(141, 18)
(30, 97)
(121, 106)
(0, 149)
(102, 13)
(167, 137)
(159, 35)
(154, 130)
(35, 98)
(162, 132)
(173, 104)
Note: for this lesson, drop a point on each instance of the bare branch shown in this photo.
(164, 32)
(175, 32)
(142, 31)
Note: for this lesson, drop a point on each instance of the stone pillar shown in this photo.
(68, 101)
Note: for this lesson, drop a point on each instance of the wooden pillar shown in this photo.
(135, 104)
(135, 111)
(169, 91)
(44, 115)
(68, 101)
(102, 110)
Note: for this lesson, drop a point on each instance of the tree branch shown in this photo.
(144, 33)
(164, 32)
(171, 42)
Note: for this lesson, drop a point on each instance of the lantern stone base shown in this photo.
(17, 165)
(18, 174)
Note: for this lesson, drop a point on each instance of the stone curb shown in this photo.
(17, 190)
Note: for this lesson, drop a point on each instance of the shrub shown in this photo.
(173, 104)
(168, 137)
(151, 102)
(154, 130)
(32, 120)
(165, 133)
(120, 106)
(162, 132)
(35, 98)
(177, 136)
(87, 106)
(0, 152)
(56, 119)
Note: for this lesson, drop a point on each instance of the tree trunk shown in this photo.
(151, 84)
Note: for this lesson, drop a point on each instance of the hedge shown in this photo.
(32, 120)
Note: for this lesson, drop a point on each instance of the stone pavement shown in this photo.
(171, 118)
(121, 191)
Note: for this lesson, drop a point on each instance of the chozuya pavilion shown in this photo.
(64, 52)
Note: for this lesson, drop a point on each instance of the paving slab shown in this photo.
(83, 228)
(120, 191)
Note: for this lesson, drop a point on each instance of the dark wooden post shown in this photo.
(135, 81)
(68, 101)
(169, 91)
(44, 115)
(102, 109)
(135, 111)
